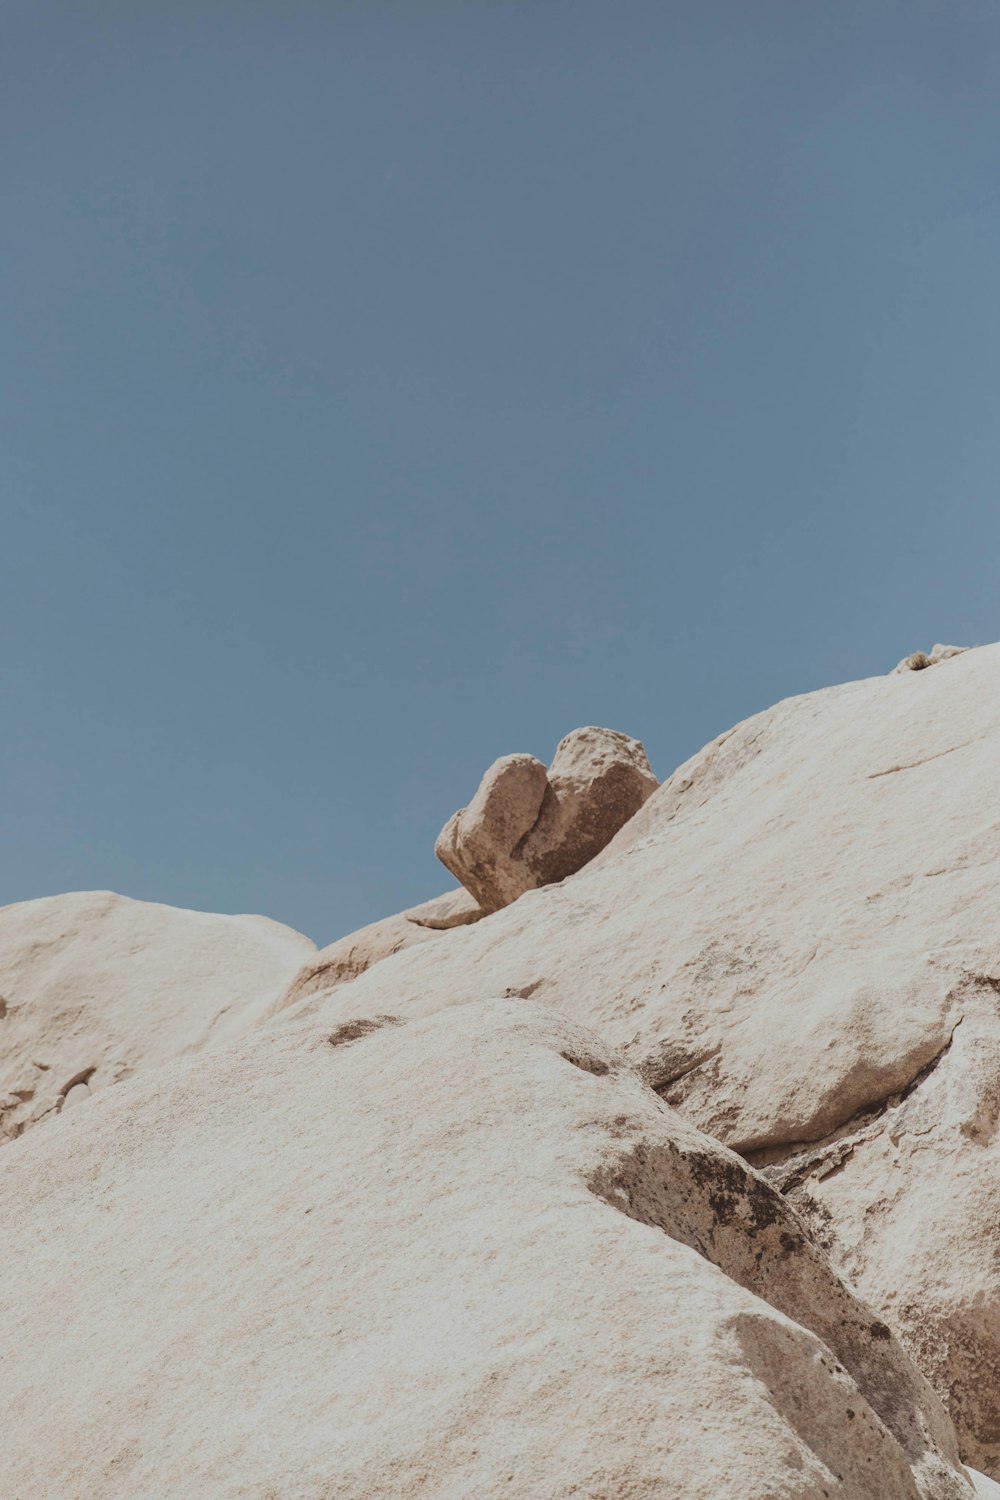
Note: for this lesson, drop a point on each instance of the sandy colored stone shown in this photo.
(96, 986)
(442, 913)
(526, 827)
(351, 956)
(469, 1256)
(597, 781)
(790, 933)
(907, 1198)
(478, 843)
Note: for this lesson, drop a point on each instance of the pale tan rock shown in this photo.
(908, 1199)
(96, 986)
(442, 913)
(785, 936)
(597, 781)
(350, 956)
(478, 844)
(526, 827)
(471, 1256)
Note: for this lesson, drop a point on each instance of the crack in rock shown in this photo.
(789, 1166)
(911, 765)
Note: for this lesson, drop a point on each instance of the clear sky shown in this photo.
(389, 387)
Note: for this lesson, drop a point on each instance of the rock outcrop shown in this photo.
(479, 843)
(366, 1249)
(795, 940)
(351, 956)
(468, 1256)
(907, 1197)
(527, 828)
(95, 987)
(918, 660)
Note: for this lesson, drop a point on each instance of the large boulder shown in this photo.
(479, 843)
(468, 1256)
(799, 929)
(597, 781)
(94, 987)
(527, 828)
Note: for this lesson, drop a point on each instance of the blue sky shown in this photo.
(390, 387)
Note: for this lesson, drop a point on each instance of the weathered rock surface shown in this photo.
(524, 828)
(527, 828)
(478, 844)
(801, 925)
(917, 660)
(95, 986)
(442, 913)
(350, 956)
(597, 781)
(312, 1264)
(908, 1198)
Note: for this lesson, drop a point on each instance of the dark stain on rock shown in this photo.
(586, 1063)
(353, 1031)
(734, 1192)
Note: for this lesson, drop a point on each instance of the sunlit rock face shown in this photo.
(95, 987)
(797, 942)
(467, 1255)
(677, 1174)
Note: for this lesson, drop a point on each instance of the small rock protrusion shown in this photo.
(917, 661)
(76, 1095)
(527, 827)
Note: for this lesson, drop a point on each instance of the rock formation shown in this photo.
(795, 940)
(467, 1256)
(479, 843)
(350, 956)
(524, 828)
(411, 1217)
(527, 828)
(94, 987)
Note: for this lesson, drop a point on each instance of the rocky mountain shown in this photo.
(678, 1176)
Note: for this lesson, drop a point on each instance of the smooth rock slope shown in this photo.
(797, 940)
(94, 987)
(470, 1256)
